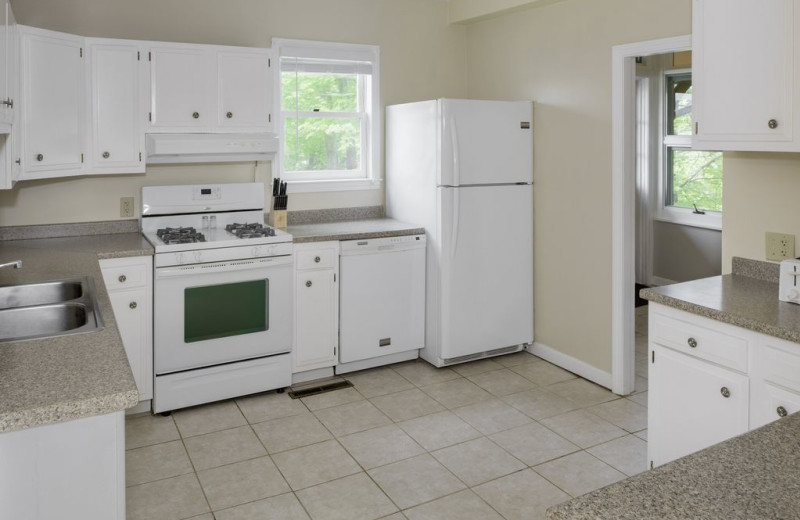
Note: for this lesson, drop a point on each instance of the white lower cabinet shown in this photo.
(130, 288)
(775, 381)
(316, 306)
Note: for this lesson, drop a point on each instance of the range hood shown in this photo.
(200, 148)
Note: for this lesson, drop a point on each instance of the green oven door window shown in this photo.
(231, 309)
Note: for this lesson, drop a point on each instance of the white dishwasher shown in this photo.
(381, 301)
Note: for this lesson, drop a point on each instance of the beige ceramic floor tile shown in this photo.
(291, 432)
(170, 499)
(282, 507)
(235, 484)
(641, 385)
(352, 417)
(627, 454)
(490, 417)
(582, 392)
(350, 498)
(407, 404)
(582, 428)
(543, 373)
(315, 464)
(380, 446)
(639, 398)
(579, 473)
(272, 405)
(396, 516)
(539, 403)
(206, 516)
(476, 367)
(458, 392)
(478, 461)
(156, 462)
(502, 382)
(225, 447)
(464, 505)
(521, 496)
(439, 430)
(624, 413)
(516, 359)
(333, 398)
(414, 481)
(422, 373)
(377, 382)
(642, 435)
(208, 418)
(534, 444)
(146, 430)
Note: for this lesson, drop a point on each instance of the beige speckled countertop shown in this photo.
(751, 477)
(352, 230)
(52, 380)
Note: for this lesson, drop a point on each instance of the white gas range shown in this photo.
(223, 298)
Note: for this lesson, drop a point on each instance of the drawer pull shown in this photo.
(132, 305)
(692, 342)
(122, 278)
(308, 283)
(782, 411)
(317, 259)
(725, 392)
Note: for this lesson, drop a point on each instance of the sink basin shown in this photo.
(12, 296)
(48, 309)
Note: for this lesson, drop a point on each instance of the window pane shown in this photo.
(679, 104)
(315, 92)
(694, 177)
(322, 143)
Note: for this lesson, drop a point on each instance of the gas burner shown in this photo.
(180, 235)
(253, 230)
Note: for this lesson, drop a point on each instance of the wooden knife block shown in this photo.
(277, 218)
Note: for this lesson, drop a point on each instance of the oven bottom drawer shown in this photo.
(206, 385)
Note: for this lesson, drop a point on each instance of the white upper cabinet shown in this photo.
(8, 63)
(245, 89)
(118, 114)
(745, 58)
(53, 118)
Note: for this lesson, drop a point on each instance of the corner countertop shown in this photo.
(751, 477)
(352, 230)
(52, 380)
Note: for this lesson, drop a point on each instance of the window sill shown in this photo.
(711, 220)
(334, 185)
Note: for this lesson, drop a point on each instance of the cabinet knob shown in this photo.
(196, 115)
(782, 411)
(308, 283)
(122, 278)
(40, 157)
(8, 102)
(229, 115)
(725, 392)
(317, 259)
(692, 342)
(773, 123)
(132, 305)
(106, 155)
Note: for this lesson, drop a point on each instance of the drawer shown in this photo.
(316, 258)
(700, 341)
(777, 366)
(125, 273)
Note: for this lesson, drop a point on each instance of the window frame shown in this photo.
(369, 175)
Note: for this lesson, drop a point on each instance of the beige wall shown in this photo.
(560, 57)
(422, 57)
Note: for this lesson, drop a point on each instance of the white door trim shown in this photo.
(623, 172)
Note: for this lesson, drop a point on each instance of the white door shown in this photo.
(53, 113)
(245, 89)
(116, 110)
(486, 255)
(692, 405)
(315, 345)
(183, 88)
(486, 142)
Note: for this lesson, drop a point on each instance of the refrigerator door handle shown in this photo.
(454, 141)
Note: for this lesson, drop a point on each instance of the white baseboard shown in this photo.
(574, 365)
(657, 281)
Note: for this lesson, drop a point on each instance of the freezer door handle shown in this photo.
(454, 233)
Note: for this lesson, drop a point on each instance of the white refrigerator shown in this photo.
(463, 169)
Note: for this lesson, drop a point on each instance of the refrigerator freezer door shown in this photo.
(486, 142)
(486, 268)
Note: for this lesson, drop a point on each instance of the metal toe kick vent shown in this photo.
(481, 355)
(318, 387)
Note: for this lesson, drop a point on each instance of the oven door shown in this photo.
(208, 314)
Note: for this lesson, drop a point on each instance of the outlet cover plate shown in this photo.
(780, 246)
(126, 207)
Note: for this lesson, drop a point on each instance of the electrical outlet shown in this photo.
(126, 207)
(779, 246)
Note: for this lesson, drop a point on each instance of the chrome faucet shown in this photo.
(16, 264)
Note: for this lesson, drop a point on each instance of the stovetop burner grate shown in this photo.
(180, 235)
(251, 230)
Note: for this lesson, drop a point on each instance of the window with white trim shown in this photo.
(329, 115)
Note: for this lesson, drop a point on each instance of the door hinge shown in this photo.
(653, 353)
(81, 52)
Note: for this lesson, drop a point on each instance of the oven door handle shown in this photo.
(223, 267)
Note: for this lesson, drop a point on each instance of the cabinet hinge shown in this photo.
(149, 116)
(138, 56)
(334, 277)
(334, 351)
(269, 118)
(81, 158)
(269, 62)
(651, 464)
(149, 56)
(696, 128)
(140, 156)
(654, 356)
(81, 52)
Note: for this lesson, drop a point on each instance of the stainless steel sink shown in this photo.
(48, 309)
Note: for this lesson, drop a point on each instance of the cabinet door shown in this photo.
(742, 73)
(245, 89)
(116, 111)
(775, 381)
(692, 404)
(133, 315)
(183, 88)
(6, 53)
(52, 112)
(316, 320)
